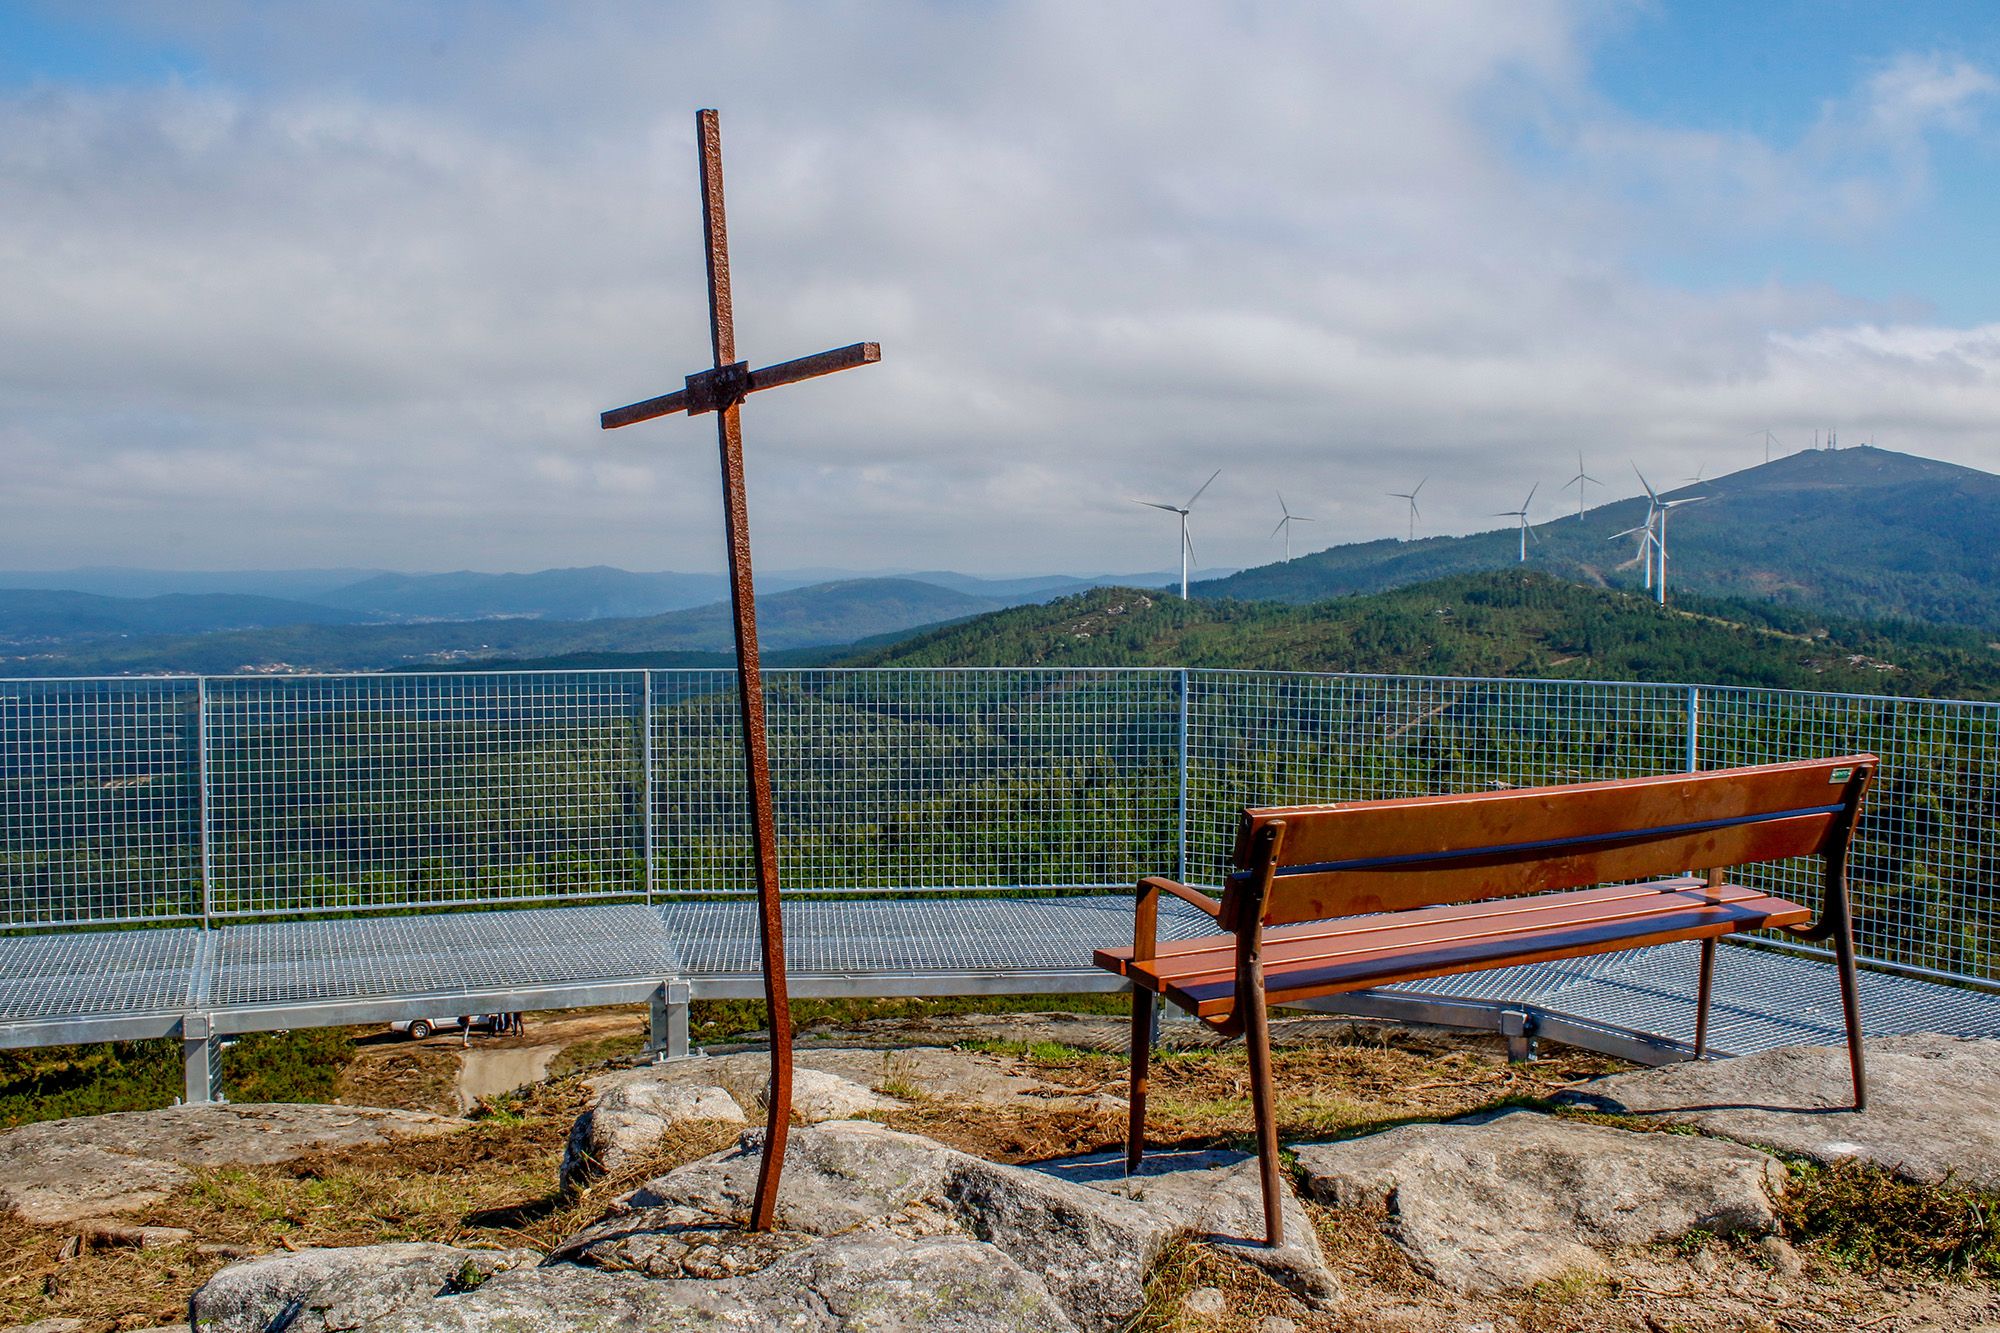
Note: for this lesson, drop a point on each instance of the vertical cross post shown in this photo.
(721, 390)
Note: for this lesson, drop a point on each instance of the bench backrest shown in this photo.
(1383, 856)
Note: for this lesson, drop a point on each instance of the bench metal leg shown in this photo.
(1850, 1005)
(667, 1023)
(1705, 991)
(1263, 1099)
(1142, 1052)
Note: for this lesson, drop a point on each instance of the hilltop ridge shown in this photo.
(1861, 532)
(1495, 623)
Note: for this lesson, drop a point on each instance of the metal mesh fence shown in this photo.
(128, 801)
(922, 781)
(349, 793)
(1925, 868)
(1271, 738)
(98, 805)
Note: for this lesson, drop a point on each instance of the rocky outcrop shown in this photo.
(1501, 1202)
(631, 1120)
(60, 1171)
(313, 1291)
(639, 1111)
(876, 1229)
(1932, 1105)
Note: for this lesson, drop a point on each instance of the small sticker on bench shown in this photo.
(1840, 775)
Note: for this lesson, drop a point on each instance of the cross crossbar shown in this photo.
(713, 390)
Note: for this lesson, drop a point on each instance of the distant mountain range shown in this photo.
(1858, 532)
(829, 613)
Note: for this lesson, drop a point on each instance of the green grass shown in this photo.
(1867, 1218)
(56, 1082)
(722, 1020)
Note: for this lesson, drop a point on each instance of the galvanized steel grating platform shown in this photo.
(98, 972)
(316, 961)
(999, 935)
(1763, 997)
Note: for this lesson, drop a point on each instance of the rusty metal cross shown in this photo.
(722, 390)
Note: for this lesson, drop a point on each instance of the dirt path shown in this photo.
(492, 1071)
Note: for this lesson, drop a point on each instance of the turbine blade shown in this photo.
(1155, 504)
(1281, 526)
(1531, 496)
(1420, 486)
(1204, 486)
(1187, 539)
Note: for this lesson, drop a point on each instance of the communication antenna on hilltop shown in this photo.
(1285, 524)
(1579, 481)
(1187, 542)
(1411, 496)
(1522, 514)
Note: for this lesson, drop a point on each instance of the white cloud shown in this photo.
(359, 296)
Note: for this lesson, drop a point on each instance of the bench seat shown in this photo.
(1354, 953)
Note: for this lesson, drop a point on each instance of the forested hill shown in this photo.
(1856, 532)
(1505, 623)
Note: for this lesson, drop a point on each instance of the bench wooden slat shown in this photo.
(1423, 934)
(1115, 957)
(1215, 997)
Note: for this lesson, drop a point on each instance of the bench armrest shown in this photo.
(1146, 912)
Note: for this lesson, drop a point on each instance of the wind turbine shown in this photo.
(1769, 439)
(1652, 514)
(1187, 542)
(1522, 514)
(1579, 481)
(1285, 524)
(1411, 496)
(1644, 532)
(1667, 507)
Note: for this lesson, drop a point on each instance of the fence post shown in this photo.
(1181, 816)
(202, 797)
(646, 780)
(1694, 728)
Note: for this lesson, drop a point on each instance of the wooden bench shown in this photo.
(1331, 898)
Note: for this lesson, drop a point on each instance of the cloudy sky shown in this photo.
(287, 286)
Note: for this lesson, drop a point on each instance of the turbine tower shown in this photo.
(1522, 514)
(1652, 538)
(1769, 440)
(1187, 542)
(1579, 481)
(1411, 496)
(1285, 524)
(1667, 507)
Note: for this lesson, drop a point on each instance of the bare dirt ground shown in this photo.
(494, 1184)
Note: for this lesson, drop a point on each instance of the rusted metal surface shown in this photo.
(721, 390)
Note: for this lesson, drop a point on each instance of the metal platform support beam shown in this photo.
(1523, 1026)
(667, 1025)
(201, 1061)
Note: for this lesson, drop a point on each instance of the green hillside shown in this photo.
(1864, 533)
(1492, 624)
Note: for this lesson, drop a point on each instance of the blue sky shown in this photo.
(347, 283)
